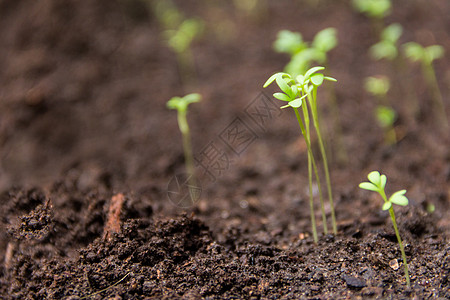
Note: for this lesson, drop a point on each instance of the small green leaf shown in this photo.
(386, 116)
(296, 103)
(387, 205)
(173, 103)
(192, 98)
(383, 180)
(325, 40)
(283, 85)
(368, 186)
(414, 51)
(375, 178)
(434, 52)
(312, 71)
(383, 49)
(282, 97)
(377, 85)
(399, 198)
(289, 42)
(270, 80)
(392, 33)
(181, 103)
(330, 78)
(317, 79)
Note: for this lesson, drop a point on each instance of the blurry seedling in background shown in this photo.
(301, 53)
(180, 33)
(426, 56)
(387, 48)
(295, 92)
(384, 113)
(376, 10)
(180, 41)
(377, 183)
(302, 56)
(181, 105)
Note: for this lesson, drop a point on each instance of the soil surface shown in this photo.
(90, 157)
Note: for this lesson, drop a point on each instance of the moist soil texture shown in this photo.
(93, 200)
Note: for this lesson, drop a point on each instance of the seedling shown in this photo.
(377, 183)
(309, 84)
(180, 41)
(301, 53)
(376, 10)
(181, 105)
(386, 48)
(295, 93)
(426, 56)
(384, 113)
(180, 33)
(302, 56)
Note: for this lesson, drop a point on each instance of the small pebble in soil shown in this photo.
(393, 264)
(354, 282)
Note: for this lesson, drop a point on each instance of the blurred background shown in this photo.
(84, 85)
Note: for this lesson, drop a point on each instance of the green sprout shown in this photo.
(323, 42)
(426, 56)
(295, 92)
(289, 42)
(181, 105)
(180, 40)
(384, 113)
(377, 184)
(301, 53)
(180, 34)
(302, 56)
(387, 48)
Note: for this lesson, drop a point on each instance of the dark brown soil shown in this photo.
(88, 153)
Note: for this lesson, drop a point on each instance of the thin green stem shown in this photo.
(313, 105)
(311, 201)
(311, 198)
(187, 148)
(308, 145)
(397, 233)
(402, 250)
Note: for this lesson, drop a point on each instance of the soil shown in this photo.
(89, 154)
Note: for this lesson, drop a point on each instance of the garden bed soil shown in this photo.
(89, 151)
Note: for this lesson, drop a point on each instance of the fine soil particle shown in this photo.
(88, 151)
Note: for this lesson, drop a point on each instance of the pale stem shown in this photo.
(308, 145)
(397, 233)
(313, 105)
